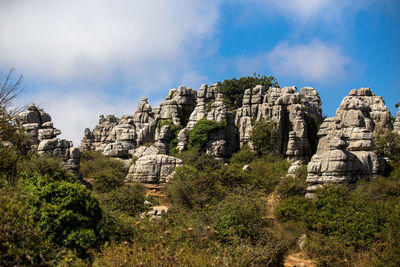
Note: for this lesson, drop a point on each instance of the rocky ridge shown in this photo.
(39, 127)
(290, 109)
(346, 141)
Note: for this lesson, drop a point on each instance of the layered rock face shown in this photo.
(293, 112)
(39, 126)
(396, 124)
(222, 143)
(153, 169)
(97, 139)
(184, 107)
(345, 149)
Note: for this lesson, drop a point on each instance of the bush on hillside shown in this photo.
(263, 136)
(65, 211)
(244, 156)
(240, 217)
(387, 144)
(107, 173)
(200, 161)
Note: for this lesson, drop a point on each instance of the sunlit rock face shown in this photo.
(345, 148)
(39, 126)
(153, 169)
(396, 124)
(290, 109)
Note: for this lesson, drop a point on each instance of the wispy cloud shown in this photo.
(312, 62)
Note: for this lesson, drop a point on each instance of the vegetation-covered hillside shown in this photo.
(248, 212)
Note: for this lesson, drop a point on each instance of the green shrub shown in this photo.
(191, 188)
(293, 208)
(107, 173)
(295, 185)
(65, 211)
(239, 217)
(233, 89)
(351, 221)
(263, 136)
(244, 156)
(387, 144)
(327, 251)
(21, 242)
(200, 134)
(128, 199)
(200, 161)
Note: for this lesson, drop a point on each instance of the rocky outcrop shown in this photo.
(98, 138)
(178, 105)
(39, 126)
(294, 112)
(396, 124)
(153, 169)
(345, 149)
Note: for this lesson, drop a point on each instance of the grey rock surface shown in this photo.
(290, 109)
(345, 148)
(153, 169)
(396, 124)
(39, 126)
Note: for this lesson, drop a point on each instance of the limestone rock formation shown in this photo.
(345, 149)
(39, 126)
(97, 139)
(153, 169)
(293, 111)
(396, 124)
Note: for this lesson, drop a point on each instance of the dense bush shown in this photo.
(21, 242)
(128, 199)
(107, 173)
(244, 156)
(233, 89)
(65, 211)
(191, 188)
(293, 185)
(387, 144)
(240, 217)
(263, 136)
(200, 134)
(200, 161)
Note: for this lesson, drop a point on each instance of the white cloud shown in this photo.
(314, 61)
(94, 39)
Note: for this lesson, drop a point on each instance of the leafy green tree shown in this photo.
(65, 210)
(387, 144)
(233, 89)
(263, 136)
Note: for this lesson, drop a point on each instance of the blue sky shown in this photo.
(81, 59)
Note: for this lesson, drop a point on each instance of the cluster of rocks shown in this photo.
(39, 126)
(290, 109)
(223, 142)
(346, 141)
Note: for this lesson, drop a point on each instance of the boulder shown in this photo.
(153, 169)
